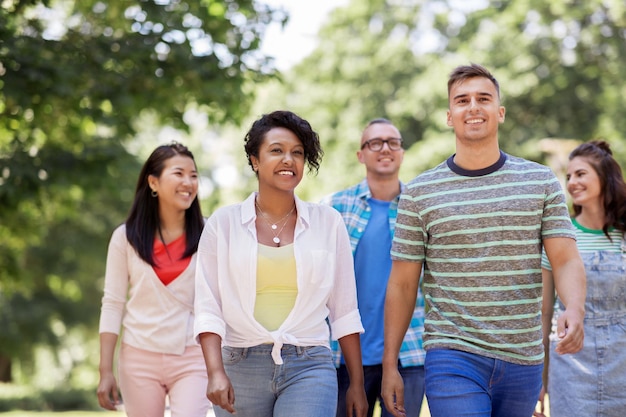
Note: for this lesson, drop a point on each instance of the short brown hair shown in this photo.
(464, 72)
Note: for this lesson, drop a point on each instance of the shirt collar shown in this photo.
(248, 210)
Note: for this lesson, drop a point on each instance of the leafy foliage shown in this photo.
(559, 64)
(58, 400)
(74, 78)
(73, 97)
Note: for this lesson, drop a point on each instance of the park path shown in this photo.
(209, 414)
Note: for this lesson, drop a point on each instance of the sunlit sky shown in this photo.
(299, 38)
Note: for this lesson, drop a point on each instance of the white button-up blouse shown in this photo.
(226, 279)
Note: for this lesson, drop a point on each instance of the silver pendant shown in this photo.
(276, 240)
(274, 227)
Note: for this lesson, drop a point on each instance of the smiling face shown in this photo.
(583, 183)
(385, 162)
(474, 110)
(280, 164)
(177, 186)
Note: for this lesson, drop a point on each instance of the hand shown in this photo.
(356, 401)
(393, 392)
(220, 391)
(541, 403)
(108, 397)
(570, 331)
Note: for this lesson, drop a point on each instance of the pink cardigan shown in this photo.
(153, 316)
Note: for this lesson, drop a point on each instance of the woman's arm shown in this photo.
(107, 387)
(116, 282)
(356, 400)
(219, 390)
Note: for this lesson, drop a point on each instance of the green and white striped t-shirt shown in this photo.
(591, 240)
(479, 235)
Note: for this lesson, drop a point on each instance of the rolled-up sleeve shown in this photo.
(208, 303)
(344, 316)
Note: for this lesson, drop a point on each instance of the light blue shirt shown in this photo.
(372, 272)
(353, 204)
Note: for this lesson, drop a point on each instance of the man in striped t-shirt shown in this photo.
(477, 223)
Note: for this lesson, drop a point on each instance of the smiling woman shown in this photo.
(595, 182)
(270, 302)
(152, 257)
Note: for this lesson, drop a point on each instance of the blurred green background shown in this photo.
(88, 88)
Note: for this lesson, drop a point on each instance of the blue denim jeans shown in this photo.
(305, 385)
(466, 384)
(591, 382)
(412, 376)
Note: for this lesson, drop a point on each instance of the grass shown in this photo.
(424, 413)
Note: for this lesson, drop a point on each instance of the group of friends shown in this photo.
(471, 285)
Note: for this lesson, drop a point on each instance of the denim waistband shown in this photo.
(266, 349)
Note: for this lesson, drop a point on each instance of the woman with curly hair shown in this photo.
(275, 275)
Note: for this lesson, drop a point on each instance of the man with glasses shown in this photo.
(369, 210)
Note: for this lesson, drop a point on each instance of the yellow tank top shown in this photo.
(276, 285)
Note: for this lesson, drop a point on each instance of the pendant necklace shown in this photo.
(274, 226)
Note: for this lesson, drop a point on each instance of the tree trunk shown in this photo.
(5, 369)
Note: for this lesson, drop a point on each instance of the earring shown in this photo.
(154, 193)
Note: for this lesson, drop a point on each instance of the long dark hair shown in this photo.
(143, 220)
(599, 155)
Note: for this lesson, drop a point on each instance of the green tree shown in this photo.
(559, 64)
(74, 78)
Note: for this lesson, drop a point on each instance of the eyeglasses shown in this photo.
(376, 144)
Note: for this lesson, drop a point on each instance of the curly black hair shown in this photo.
(283, 118)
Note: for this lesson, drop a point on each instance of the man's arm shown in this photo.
(547, 311)
(399, 305)
(568, 273)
